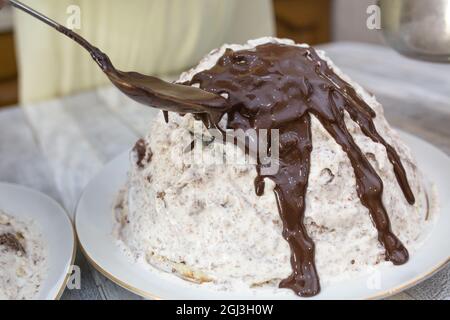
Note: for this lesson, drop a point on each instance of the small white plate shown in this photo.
(94, 224)
(56, 229)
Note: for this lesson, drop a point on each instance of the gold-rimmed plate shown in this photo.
(53, 223)
(94, 224)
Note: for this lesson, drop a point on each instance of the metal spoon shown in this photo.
(147, 90)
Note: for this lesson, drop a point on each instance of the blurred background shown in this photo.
(161, 37)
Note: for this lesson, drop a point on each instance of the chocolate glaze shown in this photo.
(280, 87)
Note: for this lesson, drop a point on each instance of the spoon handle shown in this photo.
(34, 13)
(69, 33)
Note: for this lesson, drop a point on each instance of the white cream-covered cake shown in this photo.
(204, 221)
(22, 259)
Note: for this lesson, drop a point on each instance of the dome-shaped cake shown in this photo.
(349, 193)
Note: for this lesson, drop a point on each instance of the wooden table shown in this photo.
(57, 146)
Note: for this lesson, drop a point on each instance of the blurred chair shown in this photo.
(158, 37)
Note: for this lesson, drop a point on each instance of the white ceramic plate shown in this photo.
(56, 229)
(94, 224)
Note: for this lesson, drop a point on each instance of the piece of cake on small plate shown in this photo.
(22, 259)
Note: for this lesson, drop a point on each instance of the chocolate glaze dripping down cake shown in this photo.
(275, 86)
